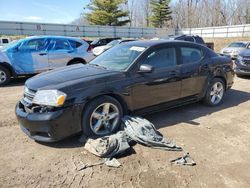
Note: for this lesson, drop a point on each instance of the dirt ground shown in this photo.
(217, 138)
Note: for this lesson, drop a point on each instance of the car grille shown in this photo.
(28, 96)
(246, 60)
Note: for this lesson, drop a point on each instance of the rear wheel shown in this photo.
(215, 92)
(102, 116)
(4, 76)
(76, 61)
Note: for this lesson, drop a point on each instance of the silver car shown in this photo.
(33, 55)
(235, 48)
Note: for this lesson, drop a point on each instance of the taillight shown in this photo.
(90, 48)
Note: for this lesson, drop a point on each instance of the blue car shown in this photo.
(34, 55)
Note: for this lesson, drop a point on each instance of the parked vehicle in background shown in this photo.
(100, 49)
(242, 63)
(33, 55)
(102, 41)
(138, 77)
(190, 38)
(234, 49)
(4, 42)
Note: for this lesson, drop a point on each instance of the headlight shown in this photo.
(236, 52)
(49, 98)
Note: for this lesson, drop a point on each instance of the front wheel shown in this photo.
(215, 92)
(4, 76)
(102, 116)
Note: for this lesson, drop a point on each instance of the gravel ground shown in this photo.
(217, 138)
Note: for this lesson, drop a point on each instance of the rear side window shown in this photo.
(74, 44)
(189, 39)
(191, 55)
(199, 40)
(161, 58)
(60, 44)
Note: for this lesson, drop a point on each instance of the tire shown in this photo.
(214, 97)
(97, 122)
(4, 76)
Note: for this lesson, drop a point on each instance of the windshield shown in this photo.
(95, 41)
(238, 44)
(113, 43)
(118, 58)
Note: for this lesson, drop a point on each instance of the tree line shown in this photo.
(166, 13)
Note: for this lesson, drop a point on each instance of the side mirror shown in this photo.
(145, 68)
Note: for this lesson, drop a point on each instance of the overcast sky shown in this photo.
(47, 11)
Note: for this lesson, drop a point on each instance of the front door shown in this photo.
(31, 57)
(161, 85)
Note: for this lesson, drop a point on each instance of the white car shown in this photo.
(100, 49)
(4, 41)
(235, 48)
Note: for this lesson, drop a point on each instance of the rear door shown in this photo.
(194, 70)
(60, 53)
(161, 85)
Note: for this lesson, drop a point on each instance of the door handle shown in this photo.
(70, 51)
(173, 73)
(204, 67)
(43, 53)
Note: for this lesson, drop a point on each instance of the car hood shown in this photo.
(245, 53)
(67, 78)
(231, 49)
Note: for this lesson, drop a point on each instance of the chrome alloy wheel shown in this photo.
(104, 119)
(3, 76)
(217, 92)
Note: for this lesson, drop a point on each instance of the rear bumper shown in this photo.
(50, 126)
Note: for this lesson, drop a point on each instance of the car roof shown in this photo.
(240, 41)
(51, 36)
(151, 43)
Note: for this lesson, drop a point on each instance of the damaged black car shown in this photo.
(136, 77)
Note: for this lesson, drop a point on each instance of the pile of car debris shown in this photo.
(134, 130)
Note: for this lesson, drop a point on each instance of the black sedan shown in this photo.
(135, 77)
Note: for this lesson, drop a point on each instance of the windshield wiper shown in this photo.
(96, 65)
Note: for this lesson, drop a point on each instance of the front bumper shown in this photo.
(240, 69)
(233, 56)
(50, 126)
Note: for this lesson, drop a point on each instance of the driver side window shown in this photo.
(33, 45)
(162, 58)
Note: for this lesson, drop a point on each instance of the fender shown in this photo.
(217, 72)
(9, 67)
